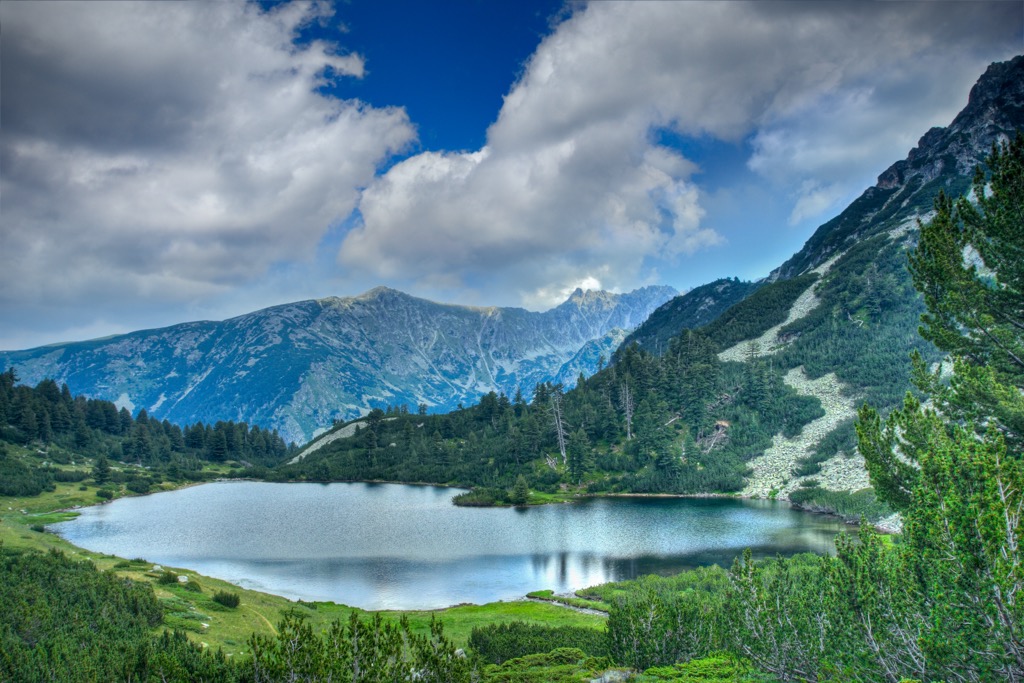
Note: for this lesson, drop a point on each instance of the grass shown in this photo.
(583, 603)
(229, 628)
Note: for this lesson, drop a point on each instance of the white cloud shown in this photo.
(573, 183)
(170, 151)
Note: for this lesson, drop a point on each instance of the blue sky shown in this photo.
(165, 162)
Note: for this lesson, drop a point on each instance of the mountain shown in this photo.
(840, 317)
(696, 308)
(299, 367)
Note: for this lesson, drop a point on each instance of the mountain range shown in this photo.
(300, 367)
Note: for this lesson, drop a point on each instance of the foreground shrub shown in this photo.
(497, 643)
(168, 577)
(227, 599)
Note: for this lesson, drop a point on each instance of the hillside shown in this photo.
(688, 311)
(299, 367)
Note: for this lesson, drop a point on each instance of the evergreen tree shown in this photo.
(101, 470)
(520, 492)
(580, 459)
(955, 471)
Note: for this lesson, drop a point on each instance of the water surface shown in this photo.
(390, 546)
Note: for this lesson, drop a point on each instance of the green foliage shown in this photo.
(17, 479)
(563, 665)
(496, 643)
(658, 622)
(778, 617)
(62, 620)
(370, 651)
(975, 311)
(850, 505)
(167, 577)
(481, 497)
(954, 470)
(227, 599)
(759, 312)
(520, 493)
(719, 668)
(61, 428)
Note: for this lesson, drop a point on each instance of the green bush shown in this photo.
(105, 494)
(481, 497)
(227, 599)
(851, 506)
(497, 643)
(168, 577)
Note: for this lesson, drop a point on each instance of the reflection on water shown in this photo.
(388, 546)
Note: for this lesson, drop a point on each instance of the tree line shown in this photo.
(66, 429)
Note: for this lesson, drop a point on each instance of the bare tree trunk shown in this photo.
(628, 406)
(556, 411)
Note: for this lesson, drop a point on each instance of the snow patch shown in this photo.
(123, 401)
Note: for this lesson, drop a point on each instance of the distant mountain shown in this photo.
(299, 367)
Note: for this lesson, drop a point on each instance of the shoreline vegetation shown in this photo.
(23, 522)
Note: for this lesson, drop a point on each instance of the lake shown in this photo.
(392, 546)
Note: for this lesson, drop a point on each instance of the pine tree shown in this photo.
(520, 492)
(101, 470)
(580, 458)
(954, 469)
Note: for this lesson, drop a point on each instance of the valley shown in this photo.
(814, 387)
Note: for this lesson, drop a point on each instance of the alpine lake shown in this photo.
(394, 546)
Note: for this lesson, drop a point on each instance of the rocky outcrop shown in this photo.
(773, 472)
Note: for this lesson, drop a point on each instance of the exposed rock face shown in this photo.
(944, 158)
(298, 367)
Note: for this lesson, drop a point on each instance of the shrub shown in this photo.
(481, 497)
(138, 485)
(105, 494)
(497, 643)
(227, 599)
(168, 577)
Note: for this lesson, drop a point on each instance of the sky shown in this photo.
(162, 162)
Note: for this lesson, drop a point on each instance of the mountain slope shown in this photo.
(860, 320)
(298, 367)
(696, 308)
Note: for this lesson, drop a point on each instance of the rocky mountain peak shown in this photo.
(994, 107)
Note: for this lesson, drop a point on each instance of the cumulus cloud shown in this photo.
(573, 182)
(169, 151)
